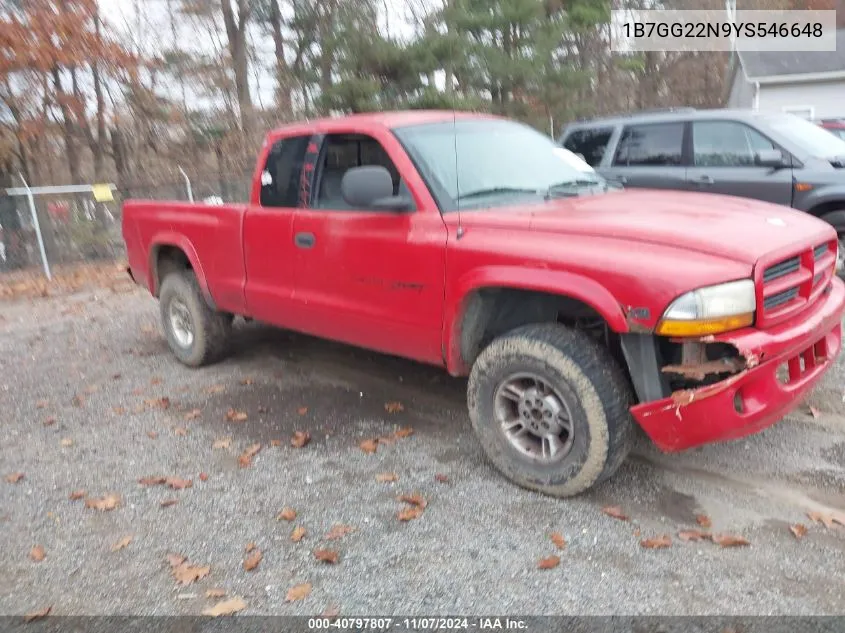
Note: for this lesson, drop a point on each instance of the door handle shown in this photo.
(706, 180)
(304, 240)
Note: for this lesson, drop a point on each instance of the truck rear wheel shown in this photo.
(196, 334)
(550, 408)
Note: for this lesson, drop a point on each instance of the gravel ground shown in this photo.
(80, 379)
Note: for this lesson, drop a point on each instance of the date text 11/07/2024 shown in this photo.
(418, 624)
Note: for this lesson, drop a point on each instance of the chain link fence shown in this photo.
(78, 229)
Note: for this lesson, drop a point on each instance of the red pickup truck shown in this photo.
(475, 243)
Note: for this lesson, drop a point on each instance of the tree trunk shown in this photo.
(68, 129)
(236, 34)
(282, 70)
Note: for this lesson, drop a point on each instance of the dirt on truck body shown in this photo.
(476, 244)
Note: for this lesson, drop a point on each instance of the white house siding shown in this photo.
(827, 99)
(742, 93)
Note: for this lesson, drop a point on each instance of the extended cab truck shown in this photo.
(474, 243)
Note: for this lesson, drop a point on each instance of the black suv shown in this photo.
(778, 158)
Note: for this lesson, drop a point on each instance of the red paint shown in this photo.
(398, 283)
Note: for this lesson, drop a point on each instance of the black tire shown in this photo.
(594, 390)
(837, 220)
(211, 329)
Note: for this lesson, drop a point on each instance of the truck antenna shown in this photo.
(460, 232)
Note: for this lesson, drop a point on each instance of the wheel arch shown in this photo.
(175, 252)
(493, 300)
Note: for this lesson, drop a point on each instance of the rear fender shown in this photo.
(184, 244)
(560, 283)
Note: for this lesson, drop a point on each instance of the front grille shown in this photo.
(782, 269)
(794, 282)
(781, 298)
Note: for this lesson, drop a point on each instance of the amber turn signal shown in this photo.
(703, 327)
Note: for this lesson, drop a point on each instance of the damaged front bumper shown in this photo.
(782, 364)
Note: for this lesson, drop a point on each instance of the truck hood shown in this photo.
(739, 229)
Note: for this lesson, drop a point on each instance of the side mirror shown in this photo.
(371, 187)
(769, 158)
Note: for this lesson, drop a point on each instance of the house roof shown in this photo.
(786, 66)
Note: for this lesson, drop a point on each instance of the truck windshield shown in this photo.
(474, 164)
(815, 140)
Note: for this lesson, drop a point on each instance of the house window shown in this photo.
(805, 112)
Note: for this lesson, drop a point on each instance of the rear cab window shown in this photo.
(280, 178)
(590, 143)
(651, 144)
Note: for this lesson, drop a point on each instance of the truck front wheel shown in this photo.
(196, 334)
(550, 408)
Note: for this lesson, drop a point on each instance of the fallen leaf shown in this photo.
(50, 421)
(729, 540)
(414, 499)
(404, 432)
(215, 593)
(287, 514)
(615, 512)
(174, 560)
(298, 534)
(222, 442)
(387, 477)
(193, 414)
(235, 416)
(798, 531)
(326, 556)
(225, 607)
(393, 407)
(126, 540)
(76, 495)
(203, 476)
(636, 532)
(215, 389)
(302, 410)
(245, 459)
(109, 502)
(548, 563)
(300, 439)
(331, 611)
(299, 592)
(409, 513)
(827, 518)
(339, 531)
(251, 561)
(814, 412)
(168, 502)
(185, 573)
(14, 478)
(441, 478)
(37, 615)
(155, 380)
(41, 404)
(703, 520)
(37, 553)
(658, 542)
(118, 410)
(138, 391)
(178, 484)
(249, 547)
(275, 443)
(152, 481)
(369, 446)
(161, 403)
(152, 435)
(557, 539)
(693, 535)
(66, 442)
(247, 381)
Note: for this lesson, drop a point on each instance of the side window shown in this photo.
(653, 144)
(343, 152)
(282, 171)
(726, 144)
(590, 143)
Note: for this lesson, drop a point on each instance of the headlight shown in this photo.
(710, 310)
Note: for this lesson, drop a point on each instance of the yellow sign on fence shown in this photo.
(102, 193)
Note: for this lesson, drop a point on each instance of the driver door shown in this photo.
(372, 278)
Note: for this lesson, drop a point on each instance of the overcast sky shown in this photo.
(146, 23)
